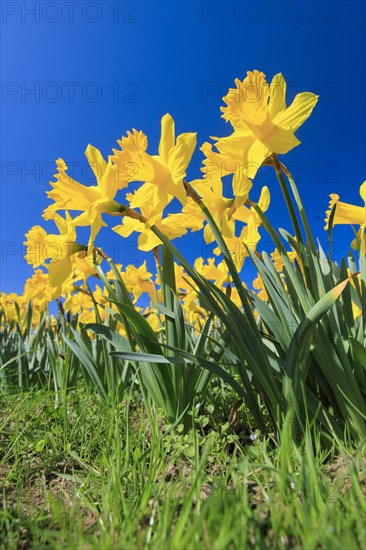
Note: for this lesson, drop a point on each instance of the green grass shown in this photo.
(89, 474)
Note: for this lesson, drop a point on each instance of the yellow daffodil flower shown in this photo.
(249, 237)
(7, 304)
(138, 280)
(147, 239)
(350, 214)
(60, 249)
(194, 313)
(188, 294)
(84, 266)
(93, 201)
(183, 282)
(110, 274)
(261, 121)
(259, 286)
(81, 304)
(162, 174)
(278, 262)
(218, 206)
(218, 274)
(39, 289)
(221, 164)
(210, 190)
(155, 320)
(244, 213)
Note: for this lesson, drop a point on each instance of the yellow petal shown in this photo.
(95, 227)
(191, 217)
(300, 109)
(359, 243)
(264, 199)
(241, 184)
(64, 225)
(242, 214)
(250, 234)
(234, 145)
(203, 187)
(82, 220)
(277, 95)
(175, 189)
(131, 159)
(59, 270)
(216, 163)
(128, 226)
(151, 199)
(68, 194)
(167, 139)
(208, 235)
(96, 161)
(57, 248)
(135, 141)
(181, 154)
(281, 140)
(257, 153)
(215, 183)
(172, 227)
(84, 266)
(110, 182)
(227, 226)
(145, 198)
(147, 241)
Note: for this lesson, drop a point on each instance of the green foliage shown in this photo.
(301, 359)
(297, 357)
(168, 365)
(86, 473)
(36, 357)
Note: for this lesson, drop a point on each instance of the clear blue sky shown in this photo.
(98, 69)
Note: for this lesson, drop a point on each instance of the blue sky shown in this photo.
(84, 72)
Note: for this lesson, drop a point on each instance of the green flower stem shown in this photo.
(124, 210)
(156, 255)
(286, 195)
(309, 251)
(220, 241)
(107, 284)
(226, 254)
(300, 206)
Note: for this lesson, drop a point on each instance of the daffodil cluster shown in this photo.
(135, 186)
